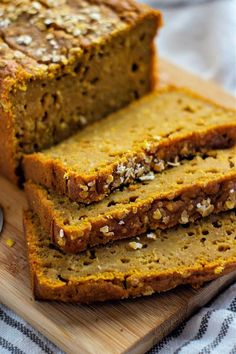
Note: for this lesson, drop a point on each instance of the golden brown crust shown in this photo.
(7, 150)
(53, 174)
(136, 221)
(119, 286)
(98, 291)
(211, 189)
(12, 70)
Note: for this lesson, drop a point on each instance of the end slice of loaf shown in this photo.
(196, 188)
(131, 268)
(150, 134)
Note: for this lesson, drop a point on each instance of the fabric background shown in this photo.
(199, 35)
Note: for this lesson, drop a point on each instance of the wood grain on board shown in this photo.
(130, 326)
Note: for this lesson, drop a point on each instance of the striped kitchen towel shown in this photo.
(18, 337)
(211, 331)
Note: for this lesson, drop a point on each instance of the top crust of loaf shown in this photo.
(39, 39)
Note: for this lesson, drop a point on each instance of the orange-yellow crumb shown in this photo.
(9, 242)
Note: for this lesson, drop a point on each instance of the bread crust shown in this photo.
(163, 209)
(118, 285)
(53, 174)
(10, 72)
(99, 291)
(7, 149)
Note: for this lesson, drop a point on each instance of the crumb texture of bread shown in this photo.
(65, 65)
(196, 188)
(149, 135)
(129, 268)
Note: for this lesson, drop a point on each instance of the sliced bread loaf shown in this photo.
(185, 193)
(148, 135)
(130, 268)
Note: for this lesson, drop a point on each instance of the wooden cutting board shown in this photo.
(130, 326)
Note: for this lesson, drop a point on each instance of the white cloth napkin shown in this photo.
(199, 35)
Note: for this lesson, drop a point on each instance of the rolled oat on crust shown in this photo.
(192, 255)
(196, 188)
(151, 134)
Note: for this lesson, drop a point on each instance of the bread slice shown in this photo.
(196, 188)
(130, 268)
(65, 64)
(148, 135)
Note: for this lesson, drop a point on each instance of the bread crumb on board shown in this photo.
(9, 242)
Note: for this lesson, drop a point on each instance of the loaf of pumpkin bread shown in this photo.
(194, 189)
(129, 268)
(65, 64)
(150, 134)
